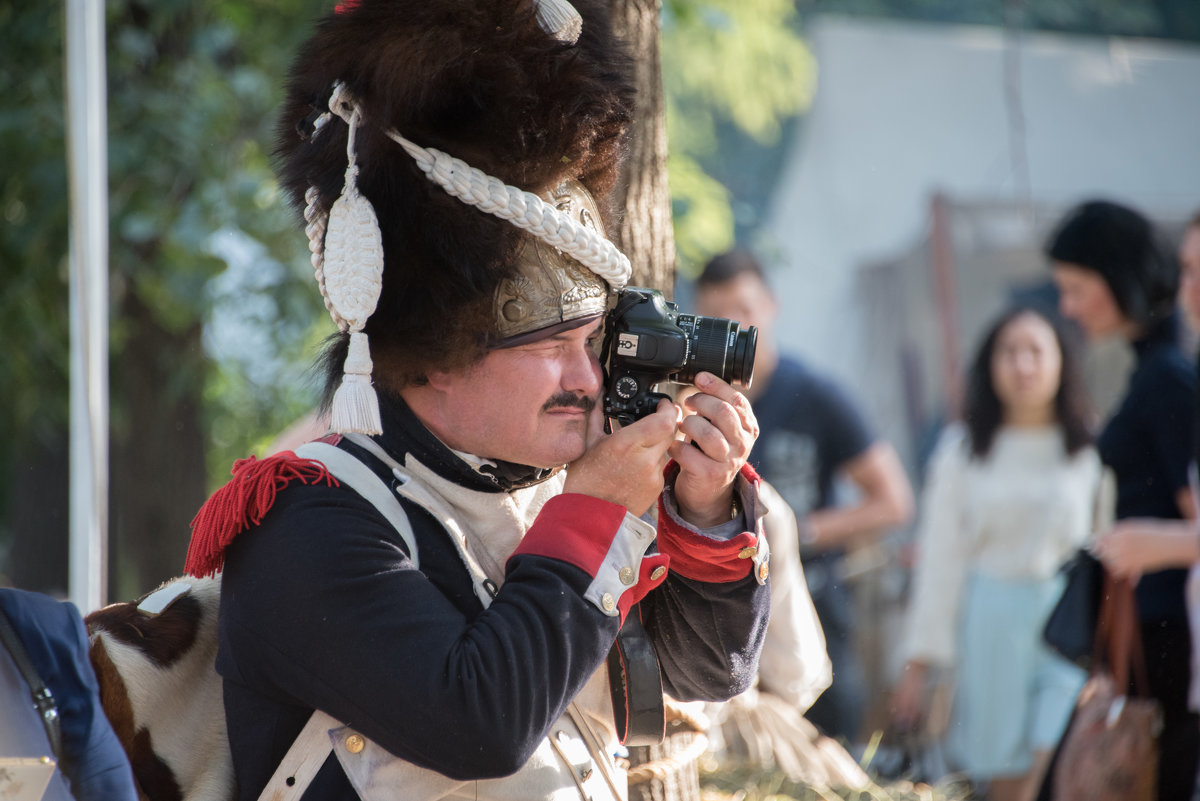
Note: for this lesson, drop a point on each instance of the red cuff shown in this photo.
(702, 558)
(574, 528)
(650, 575)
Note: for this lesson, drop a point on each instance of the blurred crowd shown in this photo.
(1024, 476)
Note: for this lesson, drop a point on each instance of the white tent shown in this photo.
(903, 111)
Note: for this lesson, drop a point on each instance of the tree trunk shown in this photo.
(158, 477)
(646, 236)
(157, 468)
(38, 520)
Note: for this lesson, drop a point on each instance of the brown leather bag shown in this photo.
(1110, 749)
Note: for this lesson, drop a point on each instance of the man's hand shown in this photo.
(626, 467)
(723, 429)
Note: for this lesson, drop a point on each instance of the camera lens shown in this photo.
(742, 364)
(718, 346)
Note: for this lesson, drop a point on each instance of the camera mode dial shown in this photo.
(626, 387)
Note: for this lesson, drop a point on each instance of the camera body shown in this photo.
(647, 341)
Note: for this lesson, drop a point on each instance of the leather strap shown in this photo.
(312, 745)
(300, 764)
(635, 684)
(43, 699)
(349, 469)
(1119, 637)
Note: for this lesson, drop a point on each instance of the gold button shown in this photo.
(748, 552)
(626, 575)
(607, 601)
(763, 570)
(657, 573)
(355, 743)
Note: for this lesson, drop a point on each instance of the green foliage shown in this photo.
(33, 206)
(192, 92)
(725, 62)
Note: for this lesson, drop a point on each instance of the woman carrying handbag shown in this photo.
(1115, 279)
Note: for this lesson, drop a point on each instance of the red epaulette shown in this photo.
(243, 503)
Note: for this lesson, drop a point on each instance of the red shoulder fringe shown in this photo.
(243, 503)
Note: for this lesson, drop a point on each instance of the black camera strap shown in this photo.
(43, 699)
(635, 684)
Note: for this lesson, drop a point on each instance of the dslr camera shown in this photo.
(647, 341)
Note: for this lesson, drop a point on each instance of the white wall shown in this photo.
(903, 110)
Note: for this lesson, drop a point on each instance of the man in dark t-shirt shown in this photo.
(812, 434)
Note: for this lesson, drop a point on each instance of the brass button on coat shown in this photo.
(748, 552)
(626, 575)
(657, 573)
(355, 743)
(608, 602)
(763, 570)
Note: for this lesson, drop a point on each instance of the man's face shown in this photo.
(744, 299)
(534, 404)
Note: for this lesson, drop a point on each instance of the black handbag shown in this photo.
(1071, 627)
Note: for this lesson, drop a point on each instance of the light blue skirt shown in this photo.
(1013, 696)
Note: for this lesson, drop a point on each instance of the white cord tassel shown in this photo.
(559, 19)
(355, 404)
(352, 269)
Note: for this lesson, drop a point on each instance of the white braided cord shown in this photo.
(523, 209)
(316, 222)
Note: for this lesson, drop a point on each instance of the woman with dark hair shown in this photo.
(1009, 495)
(1116, 279)
(1139, 545)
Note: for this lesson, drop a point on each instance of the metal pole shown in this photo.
(87, 148)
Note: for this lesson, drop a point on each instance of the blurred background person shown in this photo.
(811, 433)
(92, 766)
(1144, 545)
(1116, 279)
(1008, 498)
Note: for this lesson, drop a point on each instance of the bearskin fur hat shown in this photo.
(480, 81)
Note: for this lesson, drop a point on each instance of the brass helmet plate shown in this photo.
(551, 287)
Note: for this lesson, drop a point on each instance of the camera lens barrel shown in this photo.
(719, 347)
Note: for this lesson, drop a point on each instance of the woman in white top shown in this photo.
(1008, 498)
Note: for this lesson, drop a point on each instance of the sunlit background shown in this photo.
(896, 163)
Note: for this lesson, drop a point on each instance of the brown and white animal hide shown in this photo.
(160, 689)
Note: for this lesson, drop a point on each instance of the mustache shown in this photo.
(570, 400)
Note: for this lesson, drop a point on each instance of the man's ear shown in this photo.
(439, 380)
